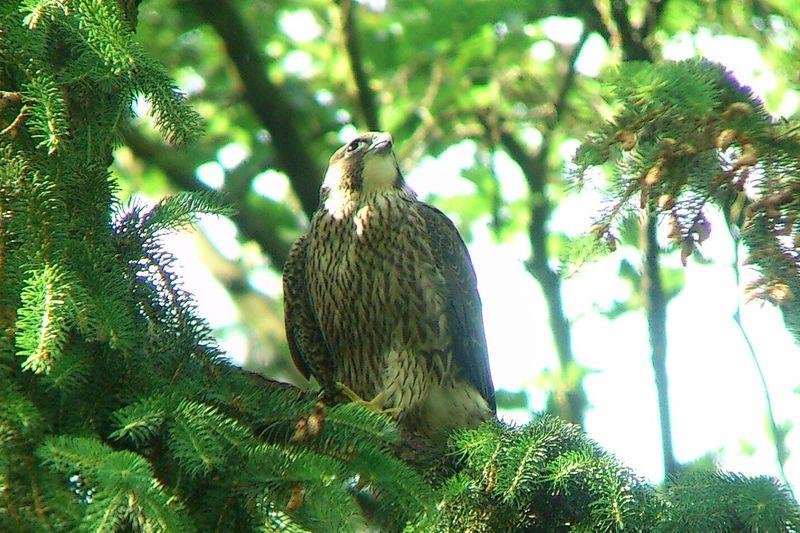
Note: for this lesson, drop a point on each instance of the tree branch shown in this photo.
(655, 10)
(569, 80)
(535, 170)
(248, 218)
(267, 100)
(631, 41)
(365, 94)
(656, 310)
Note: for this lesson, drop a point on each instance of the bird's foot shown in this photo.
(375, 405)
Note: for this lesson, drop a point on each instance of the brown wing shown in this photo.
(464, 315)
(306, 343)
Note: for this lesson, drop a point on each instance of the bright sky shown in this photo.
(716, 399)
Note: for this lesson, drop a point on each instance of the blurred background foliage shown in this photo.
(487, 102)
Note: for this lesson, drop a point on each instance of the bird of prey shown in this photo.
(381, 302)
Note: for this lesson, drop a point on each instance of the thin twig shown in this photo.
(21, 116)
(778, 441)
(568, 80)
(412, 149)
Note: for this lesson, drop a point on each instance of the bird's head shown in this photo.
(365, 165)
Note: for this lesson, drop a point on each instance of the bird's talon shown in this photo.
(349, 393)
(391, 412)
(375, 405)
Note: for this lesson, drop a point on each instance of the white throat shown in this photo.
(379, 174)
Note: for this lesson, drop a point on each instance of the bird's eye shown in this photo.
(355, 145)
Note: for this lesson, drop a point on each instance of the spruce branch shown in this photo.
(202, 438)
(689, 134)
(179, 211)
(763, 502)
(20, 420)
(140, 421)
(549, 476)
(103, 28)
(48, 120)
(102, 38)
(120, 486)
(43, 319)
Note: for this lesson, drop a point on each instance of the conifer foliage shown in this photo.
(117, 411)
(686, 135)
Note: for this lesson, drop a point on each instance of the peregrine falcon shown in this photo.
(381, 302)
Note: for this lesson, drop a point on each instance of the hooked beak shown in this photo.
(382, 144)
